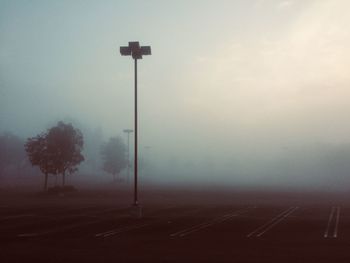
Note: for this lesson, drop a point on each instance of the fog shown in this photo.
(243, 93)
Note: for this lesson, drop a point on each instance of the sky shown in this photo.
(242, 87)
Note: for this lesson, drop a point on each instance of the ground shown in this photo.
(176, 226)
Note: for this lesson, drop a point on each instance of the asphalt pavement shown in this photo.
(173, 232)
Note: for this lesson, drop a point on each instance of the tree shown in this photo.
(114, 156)
(65, 145)
(11, 151)
(57, 151)
(39, 155)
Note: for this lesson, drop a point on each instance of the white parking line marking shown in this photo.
(119, 230)
(335, 234)
(116, 231)
(333, 223)
(276, 222)
(329, 222)
(207, 224)
(106, 234)
(264, 228)
(60, 229)
(200, 226)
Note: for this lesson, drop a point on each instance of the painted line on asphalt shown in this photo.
(103, 234)
(275, 220)
(335, 234)
(333, 223)
(65, 227)
(207, 224)
(329, 222)
(60, 229)
(120, 230)
(124, 229)
(78, 225)
(204, 224)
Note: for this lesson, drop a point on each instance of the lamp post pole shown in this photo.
(128, 131)
(136, 51)
(136, 202)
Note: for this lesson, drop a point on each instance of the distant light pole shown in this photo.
(136, 51)
(128, 131)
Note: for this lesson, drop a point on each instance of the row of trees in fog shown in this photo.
(59, 152)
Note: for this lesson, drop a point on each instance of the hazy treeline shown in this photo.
(312, 166)
(19, 168)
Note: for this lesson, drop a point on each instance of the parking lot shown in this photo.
(175, 232)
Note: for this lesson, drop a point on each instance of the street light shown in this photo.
(136, 51)
(128, 131)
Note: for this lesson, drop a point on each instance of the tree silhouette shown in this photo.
(57, 151)
(65, 145)
(114, 156)
(39, 155)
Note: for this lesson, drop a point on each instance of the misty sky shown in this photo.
(242, 81)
